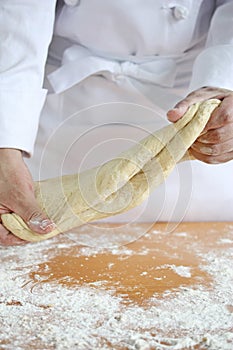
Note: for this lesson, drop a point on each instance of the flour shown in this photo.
(183, 271)
(225, 240)
(52, 316)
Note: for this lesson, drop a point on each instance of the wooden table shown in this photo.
(139, 271)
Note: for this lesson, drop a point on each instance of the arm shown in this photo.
(26, 31)
(213, 78)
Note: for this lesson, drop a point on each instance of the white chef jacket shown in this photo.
(114, 68)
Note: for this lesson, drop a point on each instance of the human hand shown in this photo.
(17, 195)
(215, 144)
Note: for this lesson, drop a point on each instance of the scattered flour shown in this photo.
(225, 241)
(181, 234)
(183, 271)
(52, 316)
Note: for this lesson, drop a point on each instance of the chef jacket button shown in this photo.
(71, 2)
(180, 12)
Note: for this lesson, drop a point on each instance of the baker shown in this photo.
(93, 70)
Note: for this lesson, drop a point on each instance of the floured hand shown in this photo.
(215, 144)
(17, 196)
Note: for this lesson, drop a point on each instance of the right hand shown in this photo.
(17, 196)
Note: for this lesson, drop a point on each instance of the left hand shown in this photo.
(215, 144)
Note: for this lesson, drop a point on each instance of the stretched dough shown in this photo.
(118, 185)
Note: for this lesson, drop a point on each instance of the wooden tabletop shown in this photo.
(137, 268)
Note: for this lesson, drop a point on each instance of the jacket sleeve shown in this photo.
(26, 28)
(214, 66)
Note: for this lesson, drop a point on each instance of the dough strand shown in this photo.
(118, 185)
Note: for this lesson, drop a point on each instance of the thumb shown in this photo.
(176, 113)
(181, 107)
(34, 217)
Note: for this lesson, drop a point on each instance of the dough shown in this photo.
(118, 185)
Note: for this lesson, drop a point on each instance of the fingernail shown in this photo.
(42, 224)
(206, 150)
(203, 140)
(47, 224)
(173, 109)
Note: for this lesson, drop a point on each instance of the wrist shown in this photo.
(11, 153)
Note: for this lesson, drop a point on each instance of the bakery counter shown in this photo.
(120, 286)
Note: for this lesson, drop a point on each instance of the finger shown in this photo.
(222, 115)
(199, 95)
(8, 239)
(218, 135)
(4, 210)
(213, 150)
(223, 158)
(181, 107)
(31, 213)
